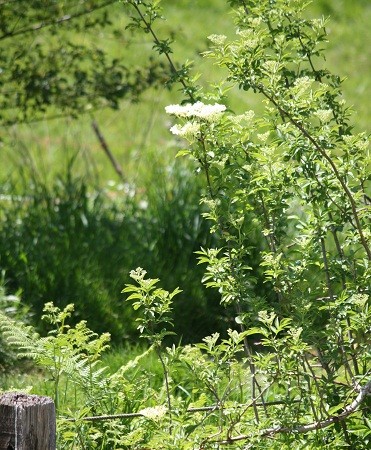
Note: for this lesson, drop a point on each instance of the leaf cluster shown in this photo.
(155, 304)
(49, 67)
(295, 370)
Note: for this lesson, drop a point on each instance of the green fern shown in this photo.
(22, 338)
(69, 356)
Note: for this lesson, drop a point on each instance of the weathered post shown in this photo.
(27, 422)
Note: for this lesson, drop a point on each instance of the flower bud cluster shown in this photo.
(156, 412)
(188, 130)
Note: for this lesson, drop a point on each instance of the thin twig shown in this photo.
(189, 410)
(318, 425)
(166, 53)
(107, 150)
(167, 386)
(59, 20)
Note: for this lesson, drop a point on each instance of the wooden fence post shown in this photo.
(27, 422)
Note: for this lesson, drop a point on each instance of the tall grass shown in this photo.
(135, 129)
(72, 238)
(61, 242)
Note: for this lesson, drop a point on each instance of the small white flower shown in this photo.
(249, 115)
(302, 85)
(324, 115)
(198, 109)
(207, 112)
(360, 141)
(177, 130)
(178, 110)
(143, 204)
(249, 37)
(255, 22)
(188, 130)
(217, 39)
(272, 66)
(246, 117)
(157, 412)
(263, 136)
(138, 274)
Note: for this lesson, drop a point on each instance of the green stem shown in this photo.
(327, 269)
(166, 53)
(167, 385)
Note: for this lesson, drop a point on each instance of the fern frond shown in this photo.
(22, 338)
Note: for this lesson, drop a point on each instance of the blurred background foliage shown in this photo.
(72, 227)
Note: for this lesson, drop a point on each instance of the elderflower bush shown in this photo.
(296, 175)
(288, 193)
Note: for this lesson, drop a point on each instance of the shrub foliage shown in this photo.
(294, 370)
(51, 69)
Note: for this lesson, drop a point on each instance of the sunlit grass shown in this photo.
(138, 133)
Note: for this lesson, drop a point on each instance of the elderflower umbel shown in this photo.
(324, 115)
(188, 130)
(198, 109)
(138, 274)
(360, 141)
(302, 85)
(246, 117)
(157, 412)
(217, 39)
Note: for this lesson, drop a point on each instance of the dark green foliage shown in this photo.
(287, 195)
(48, 66)
(65, 244)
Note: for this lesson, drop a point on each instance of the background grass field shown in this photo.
(138, 133)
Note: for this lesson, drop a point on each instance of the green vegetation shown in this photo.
(52, 158)
(268, 202)
(136, 132)
(69, 245)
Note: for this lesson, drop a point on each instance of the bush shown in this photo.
(294, 372)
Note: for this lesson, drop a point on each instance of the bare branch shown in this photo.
(166, 53)
(189, 410)
(107, 150)
(347, 411)
(57, 21)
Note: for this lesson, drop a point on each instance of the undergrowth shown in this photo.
(287, 195)
(71, 244)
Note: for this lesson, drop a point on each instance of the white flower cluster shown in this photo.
(217, 39)
(188, 130)
(360, 141)
(157, 412)
(255, 22)
(263, 137)
(248, 116)
(250, 40)
(324, 115)
(272, 66)
(302, 85)
(138, 274)
(198, 109)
